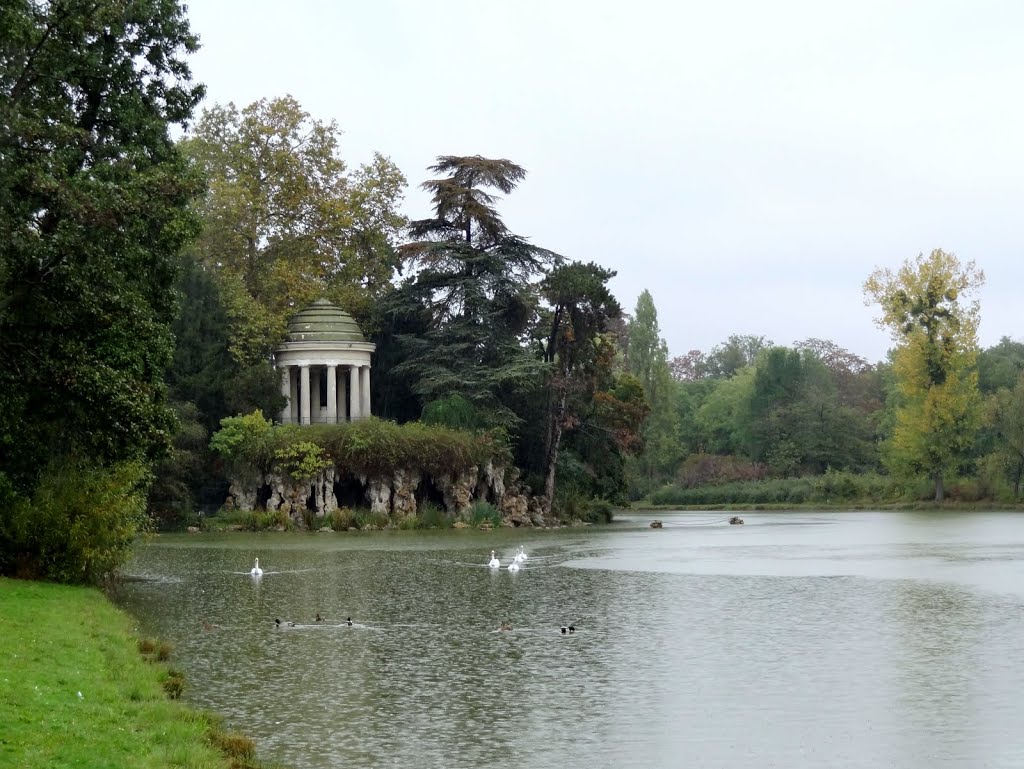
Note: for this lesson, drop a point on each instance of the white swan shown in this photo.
(521, 555)
(494, 563)
(256, 570)
(514, 566)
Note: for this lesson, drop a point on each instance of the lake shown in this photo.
(795, 640)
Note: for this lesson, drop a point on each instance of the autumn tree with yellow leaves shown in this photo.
(927, 307)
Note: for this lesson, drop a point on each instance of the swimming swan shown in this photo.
(256, 570)
(514, 566)
(521, 555)
(494, 563)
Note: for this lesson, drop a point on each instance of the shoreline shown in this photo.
(78, 687)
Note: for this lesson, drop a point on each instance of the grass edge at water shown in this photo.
(75, 690)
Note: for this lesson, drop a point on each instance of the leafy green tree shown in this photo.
(937, 415)
(93, 208)
(736, 353)
(647, 358)
(286, 222)
(576, 350)
(690, 396)
(1005, 413)
(185, 480)
(852, 400)
(721, 415)
(471, 299)
(1000, 366)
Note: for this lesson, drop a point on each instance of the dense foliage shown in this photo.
(252, 444)
(286, 222)
(471, 298)
(93, 210)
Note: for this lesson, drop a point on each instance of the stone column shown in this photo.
(304, 394)
(364, 391)
(286, 390)
(353, 393)
(314, 393)
(332, 394)
(293, 391)
(342, 397)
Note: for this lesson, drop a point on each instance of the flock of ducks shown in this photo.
(319, 619)
(519, 557)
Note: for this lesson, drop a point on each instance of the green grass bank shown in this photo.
(76, 691)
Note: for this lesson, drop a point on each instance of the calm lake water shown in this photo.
(796, 640)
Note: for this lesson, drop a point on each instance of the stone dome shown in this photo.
(323, 322)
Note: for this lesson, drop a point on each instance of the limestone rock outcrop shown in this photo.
(396, 495)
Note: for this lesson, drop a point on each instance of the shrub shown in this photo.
(481, 513)
(78, 527)
(236, 746)
(365, 519)
(163, 651)
(245, 443)
(301, 460)
(599, 511)
(342, 519)
(433, 517)
(410, 522)
(713, 469)
(966, 490)
(271, 519)
(173, 683)
(309, 519)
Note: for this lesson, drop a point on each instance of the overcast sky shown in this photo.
(747, 162)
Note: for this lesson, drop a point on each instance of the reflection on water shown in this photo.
(845, 640)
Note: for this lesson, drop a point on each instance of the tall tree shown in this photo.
(647, 359)
(925, 309)
(471, 292)
(576, 350)
(93, 208)
(285, 221)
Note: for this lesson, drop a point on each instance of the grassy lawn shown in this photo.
(75, 691)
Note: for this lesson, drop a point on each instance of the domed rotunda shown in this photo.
(325, 367)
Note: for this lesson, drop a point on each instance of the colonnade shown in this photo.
(325, 393)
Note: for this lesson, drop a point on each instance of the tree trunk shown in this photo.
(555, 438)
(940, 493)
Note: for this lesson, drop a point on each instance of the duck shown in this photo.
(568, 629)
(514, 566)
(348, 621)
(505, 626)
(256, 571)
(319, 617)
(277, 623)
(494, 563)
(736, 520)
